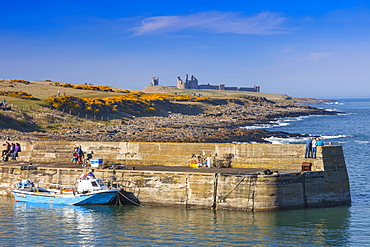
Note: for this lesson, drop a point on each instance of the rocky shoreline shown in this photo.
(221, 124)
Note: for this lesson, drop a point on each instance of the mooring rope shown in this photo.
(117, 200)
(138, 204)
(224, 197)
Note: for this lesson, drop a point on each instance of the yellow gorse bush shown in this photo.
(17, 94)
(92, 87)
(122, 91)
(131, 102)
(21, 81)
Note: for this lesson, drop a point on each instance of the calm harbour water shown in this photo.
(50, 225)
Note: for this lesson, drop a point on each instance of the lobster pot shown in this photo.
(96, 162)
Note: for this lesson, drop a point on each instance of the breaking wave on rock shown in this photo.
(301, 140)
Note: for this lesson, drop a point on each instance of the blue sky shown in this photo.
(300, 48)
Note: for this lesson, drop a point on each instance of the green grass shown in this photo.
(215, 93)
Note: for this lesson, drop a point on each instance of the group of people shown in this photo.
(11, 150)
(311, 146)
(3, 102)
(78, 154)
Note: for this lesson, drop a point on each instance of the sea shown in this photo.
(24, 224)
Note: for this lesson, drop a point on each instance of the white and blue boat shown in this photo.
(90, 191)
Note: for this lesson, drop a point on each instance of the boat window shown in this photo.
(94, 184)
(100, 182)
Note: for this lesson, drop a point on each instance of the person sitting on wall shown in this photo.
(17, 149)
(7, 148)
(11, 150)
(75, 157)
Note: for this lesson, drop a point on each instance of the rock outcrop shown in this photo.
(223, 123)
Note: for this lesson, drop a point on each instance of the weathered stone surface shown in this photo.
(326, 185)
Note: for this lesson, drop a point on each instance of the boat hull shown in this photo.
(98, 197)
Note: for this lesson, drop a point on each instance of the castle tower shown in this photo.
(180, 84)
(193, 83)
(187, 84)
(155, 81)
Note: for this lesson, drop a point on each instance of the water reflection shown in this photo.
(52, 225)
(79, 225)
(192, 227)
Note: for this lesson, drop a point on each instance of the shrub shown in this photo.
(122, 91)
(18, 94)
(132, 103)
(67, 85)
(20, 81)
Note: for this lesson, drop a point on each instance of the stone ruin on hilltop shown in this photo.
(192, 83)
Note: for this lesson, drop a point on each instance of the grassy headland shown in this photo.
(56, 110)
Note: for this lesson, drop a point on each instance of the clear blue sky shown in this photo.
(301, 48)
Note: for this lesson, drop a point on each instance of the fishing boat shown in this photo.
(90, 191)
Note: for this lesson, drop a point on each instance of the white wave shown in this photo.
(289, 140)
(334, 103)
(335, 137)
(283, 122)
(344, 114)
(276, 123)
(294, 119)
(362, 142)
(262, 126)
(298, 140)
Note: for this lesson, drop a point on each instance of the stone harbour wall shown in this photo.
(203, 190)
(264, 156)
(326, 185)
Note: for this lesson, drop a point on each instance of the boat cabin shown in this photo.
(88, 183)
(26, 185)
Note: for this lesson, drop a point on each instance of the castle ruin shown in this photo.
(187, 84)
(192, 83)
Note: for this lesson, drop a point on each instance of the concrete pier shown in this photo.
(162, 175)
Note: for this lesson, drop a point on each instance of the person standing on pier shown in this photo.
(319, 142)
(314, 145)
(308, 153)
(80, 154)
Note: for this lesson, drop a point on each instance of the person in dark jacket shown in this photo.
(308, 153)
(7, 148)
(80, 154)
